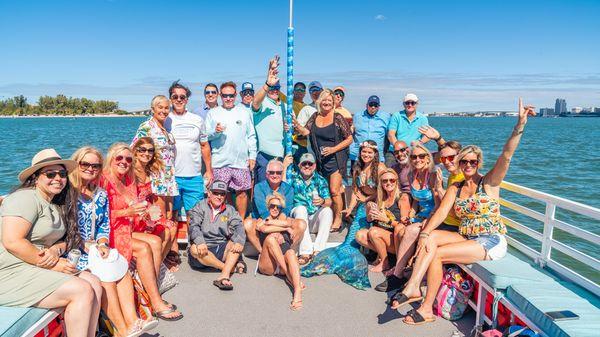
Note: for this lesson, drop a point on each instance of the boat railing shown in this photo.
(547, 237)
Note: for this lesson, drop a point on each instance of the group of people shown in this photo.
(225, 166)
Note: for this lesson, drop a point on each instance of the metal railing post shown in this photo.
(547, 234)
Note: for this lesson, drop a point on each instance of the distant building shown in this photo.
(544, 112)
(560, 106)
(577, 110)
(596, 109)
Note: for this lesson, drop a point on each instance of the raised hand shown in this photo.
(273, 71)
(525, 112)
(429, 132)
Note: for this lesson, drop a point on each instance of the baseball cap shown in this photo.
(307, 157)
(315, 84)
(373, 99)
(340, 88)
(411, 97)
(247, 86)
(218, 185)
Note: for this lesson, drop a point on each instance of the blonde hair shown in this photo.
(381, 191)
(157, 99)
(77, 156)
(156, 165)
(275, 195)
(112, 153)
(322, 95)
(471, 149)
(431, 165)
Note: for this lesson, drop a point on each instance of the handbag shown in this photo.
(453, 296)
(166, 279)
(142, 300)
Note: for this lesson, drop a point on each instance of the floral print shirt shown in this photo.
(303, 190)
(92, 213)
(479, 214)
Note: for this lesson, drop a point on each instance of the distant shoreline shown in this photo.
(72, 116)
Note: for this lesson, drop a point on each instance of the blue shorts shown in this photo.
(218, 251)
(191, 191)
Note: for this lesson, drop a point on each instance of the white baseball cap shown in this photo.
(110, 269)
(411, 97)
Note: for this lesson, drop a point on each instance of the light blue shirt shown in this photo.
(407, 131)
(268, 122)
(202, 111)
(369, 127)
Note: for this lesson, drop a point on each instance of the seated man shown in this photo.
(217, 235)
(274, 172)
(312, 203)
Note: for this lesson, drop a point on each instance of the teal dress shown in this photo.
(345, 260)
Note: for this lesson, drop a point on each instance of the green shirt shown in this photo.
(268, 123)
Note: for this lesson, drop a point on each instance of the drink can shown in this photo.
(315, 195)
(73, 256)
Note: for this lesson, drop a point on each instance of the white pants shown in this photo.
(318, 222)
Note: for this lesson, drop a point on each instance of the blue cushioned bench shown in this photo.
(24, 321)
(530, 290)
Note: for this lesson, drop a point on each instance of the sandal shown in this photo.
(402, 300)
(417, 318)
(148, 325)
(304, 259)
(172, 306)
(296, 305)
(162, 315)
(219, 284)
(135, 331)
(241, 267)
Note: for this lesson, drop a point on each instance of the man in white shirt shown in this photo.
(233, 142)
(192, 147)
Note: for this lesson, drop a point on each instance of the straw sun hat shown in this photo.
(44, 158)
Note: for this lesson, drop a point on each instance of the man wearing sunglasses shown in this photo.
(404, 125)
(269, 112)
(211, 93)
(371, 124)
(192, 147)
(339, 93)
(247, 94)
(233, 143)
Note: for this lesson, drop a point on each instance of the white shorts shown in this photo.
(494, 244)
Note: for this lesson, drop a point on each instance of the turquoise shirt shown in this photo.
(303, 191)
(268, 122)
(407, 131)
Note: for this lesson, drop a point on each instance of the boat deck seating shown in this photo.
(520, 284)
(24, 321)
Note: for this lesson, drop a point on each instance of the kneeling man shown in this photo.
(217, 235)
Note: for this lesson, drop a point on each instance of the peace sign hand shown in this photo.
(272, 73)
(525, 112)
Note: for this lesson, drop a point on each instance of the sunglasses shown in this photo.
(52, 174)
(299, 90)
(420, 156)
(210, 92)
(472, 162)
(85, 165)
(447, 158)
(410, 103)
(307, 164)
(247, 93)
(219, 193)
(275, 173)
(373, 105)
(275, 87)
(178, 97)
(402, 150)
(228, 96)
(121, 158)
(273, 206)
(145, 149)
(385, 181)
(339, 92)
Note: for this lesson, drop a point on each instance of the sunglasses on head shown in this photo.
(52, 174)
(145, 149)
(410, 103)
(472, 162)
(85, 165)
(210, 92)
(307, 164)
(275, 173)
(401, 150)
(228, 95)
(447, 158)
(373, 105)
(178, 97)
(247, 93)
(420, 156)
(339, 92)
(273, 206)
(121, 158)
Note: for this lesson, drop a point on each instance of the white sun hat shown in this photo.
(110, 269)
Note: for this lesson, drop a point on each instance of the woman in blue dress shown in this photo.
(346, 260)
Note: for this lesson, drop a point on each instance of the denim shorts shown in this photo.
(494, 244)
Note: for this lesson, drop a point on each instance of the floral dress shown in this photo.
(163, 184)
(92, 213)
(479, 214)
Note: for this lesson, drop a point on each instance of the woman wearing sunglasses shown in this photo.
(118, 180)
(275, 234)
(481, 231)
(153, 228)
(94, 228)
(33, 220)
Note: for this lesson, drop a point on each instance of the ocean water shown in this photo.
(556, 155)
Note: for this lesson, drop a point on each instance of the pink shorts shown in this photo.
(236, 179)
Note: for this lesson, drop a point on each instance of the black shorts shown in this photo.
(445, 227)
(285, 246)
(218, 251)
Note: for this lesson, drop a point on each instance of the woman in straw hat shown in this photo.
(33, 219)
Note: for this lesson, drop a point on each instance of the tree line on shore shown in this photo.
(59, 105)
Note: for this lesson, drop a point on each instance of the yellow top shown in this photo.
(296, 107)
(451, 219)
(345, 113)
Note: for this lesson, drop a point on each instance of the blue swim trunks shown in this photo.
(191, 191)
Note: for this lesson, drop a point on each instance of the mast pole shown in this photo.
(290, 82)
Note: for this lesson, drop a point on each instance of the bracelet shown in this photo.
(518, 131)
(424, 235)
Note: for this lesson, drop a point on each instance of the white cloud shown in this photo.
(380, 17)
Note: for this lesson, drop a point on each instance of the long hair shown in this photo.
(431, 165)
(75, 177)
(360, 164)
(66, 201)
(155, 165)
(383, 194)
(110, 156)
(322, 95)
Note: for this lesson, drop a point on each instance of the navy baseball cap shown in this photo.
(315, 84)
(373, 99)
(247, 86)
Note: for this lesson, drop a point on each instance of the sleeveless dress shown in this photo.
(345, 260)
(145, 224)
(424, 198)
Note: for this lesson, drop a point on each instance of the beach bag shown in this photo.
(166, 279)
(519, 331)
(453, 296)
(142, 300)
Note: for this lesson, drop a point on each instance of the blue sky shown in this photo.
(456, 55)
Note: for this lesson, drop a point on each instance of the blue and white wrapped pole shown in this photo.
(290, 84)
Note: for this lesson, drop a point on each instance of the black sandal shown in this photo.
(401, 299)
(243, 269)
(219, 284)
(417, 318)
(162, 315)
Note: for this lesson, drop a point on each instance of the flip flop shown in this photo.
(161, 314)
(304, 259)
(402, 300)
(170, 304)
(296, 305)
(418, 319)
(243, 269)
(219, 284)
